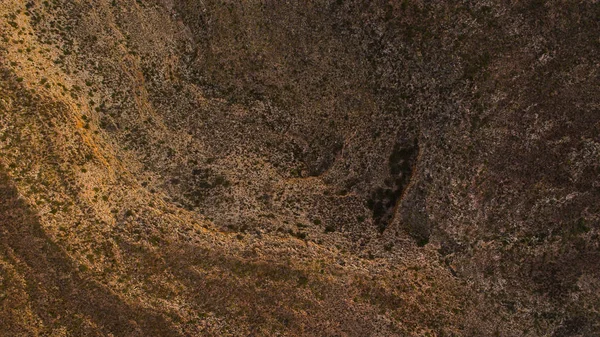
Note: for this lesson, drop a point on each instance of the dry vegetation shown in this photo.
(317, 168)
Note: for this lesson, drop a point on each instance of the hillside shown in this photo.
(299, 168)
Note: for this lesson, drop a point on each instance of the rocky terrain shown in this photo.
(299, 168)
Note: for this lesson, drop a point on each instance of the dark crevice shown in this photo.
(384, 200)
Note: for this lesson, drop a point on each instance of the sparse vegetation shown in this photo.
(288, 168)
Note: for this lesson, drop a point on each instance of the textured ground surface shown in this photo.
(299, 168)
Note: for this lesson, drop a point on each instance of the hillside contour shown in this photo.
(299, 168)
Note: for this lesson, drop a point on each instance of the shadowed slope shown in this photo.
(60, 294)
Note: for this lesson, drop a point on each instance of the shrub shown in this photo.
(301, 235)
(329, 229)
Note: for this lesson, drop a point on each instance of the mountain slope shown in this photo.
(184, 167)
